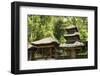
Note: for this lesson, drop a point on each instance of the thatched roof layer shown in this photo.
(29, 46)
(71, 45)
(44, 41)
(74, 34)
(69, 27)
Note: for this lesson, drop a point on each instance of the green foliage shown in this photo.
(58, 32)
(41, 26)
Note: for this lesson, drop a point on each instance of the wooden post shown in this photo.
(42, 52)
(35, 53)
(50, 53)
(56, 55)
(30, 55)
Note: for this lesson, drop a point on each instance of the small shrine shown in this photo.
(72, 44)
(43, 49)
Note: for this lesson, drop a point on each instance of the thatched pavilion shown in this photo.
(45, 48)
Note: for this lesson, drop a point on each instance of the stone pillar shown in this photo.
(73, 53)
